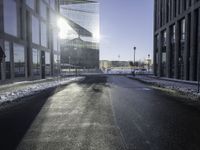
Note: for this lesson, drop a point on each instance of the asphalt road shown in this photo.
(151, 120)
(100, 113)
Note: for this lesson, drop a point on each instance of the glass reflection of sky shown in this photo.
(18, 53)
(86, 15)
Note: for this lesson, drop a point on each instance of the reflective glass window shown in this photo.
(164, 38)
(19, 60)
(36, 61)
(7, 60)
(43, 34)
(10, 17)
(173, 32)
(47, 1)
(183, 29)
(31, 3)
(55, 59)
(53, 18)
(55, 64)
(47, 63)
(55, 41)
(35, 30)
(52, 4)
(43, 9)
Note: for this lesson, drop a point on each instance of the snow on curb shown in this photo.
(184, 89)
(34, 89)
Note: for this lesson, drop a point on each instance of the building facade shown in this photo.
(29, 39)
(80, 53)
(82, 49)
(177, 39)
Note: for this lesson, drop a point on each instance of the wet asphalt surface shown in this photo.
(100, 113)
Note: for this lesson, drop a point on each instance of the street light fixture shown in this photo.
(148, 62)
(134, 48)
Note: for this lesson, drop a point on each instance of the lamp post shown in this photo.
(134, 48)
(148, 62)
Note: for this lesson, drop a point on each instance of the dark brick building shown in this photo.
(177, 39)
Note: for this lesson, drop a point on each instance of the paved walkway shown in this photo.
(78, 117)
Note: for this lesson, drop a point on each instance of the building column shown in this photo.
(168, 52)
(159, 54)
(198, 45)
(192, 58)
(1, 18)
(177, 7)
(187, 48)
(12, 62)
(2, 64)
(177, 47)
(154, 56)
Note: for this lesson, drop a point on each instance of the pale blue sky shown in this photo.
(123, 24)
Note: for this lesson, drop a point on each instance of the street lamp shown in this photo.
(134, 48)
(148, 62)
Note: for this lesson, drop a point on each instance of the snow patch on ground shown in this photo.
(184, 88)
(11, 94)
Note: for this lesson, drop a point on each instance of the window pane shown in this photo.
(52, 4)
(10, 17)
(55, 64)
(53, 18)
(43, 34)
(31, 3)
(47, 63)
(36, 61)
(183, 29)
(43, 10)
(7, 60)
(35, 30)
(19, 60)
(55, 41)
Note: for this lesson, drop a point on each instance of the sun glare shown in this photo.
(96, 36)
(65, 30)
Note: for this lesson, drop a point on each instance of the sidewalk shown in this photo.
(13, 91)
(188, 89)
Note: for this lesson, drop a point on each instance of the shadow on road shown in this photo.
(16, 118)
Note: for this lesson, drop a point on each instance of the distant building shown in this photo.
(177, 39)
(106, 64)
(28, 36)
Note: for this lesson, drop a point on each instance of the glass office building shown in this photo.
(83, 48)
(29, 39)
(177, 39)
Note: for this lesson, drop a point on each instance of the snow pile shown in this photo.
(34, 88)
(187, 89)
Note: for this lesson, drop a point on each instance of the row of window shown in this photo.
(166, 10)
(38, 27)
(43, 6)
(163, 51)
(17, 56)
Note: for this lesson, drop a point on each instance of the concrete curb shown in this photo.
(171, 91)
